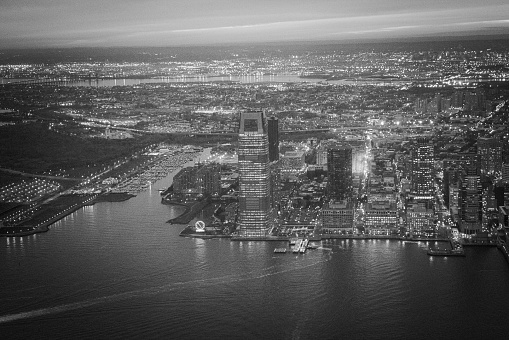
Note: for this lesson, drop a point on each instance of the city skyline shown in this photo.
(31, 24)
(140, 195)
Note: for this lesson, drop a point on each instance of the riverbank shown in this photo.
(47, 214)
(114, 197)
(63, 205)
(57, 209)
(193, 209)
(502, 246)
(189, 232)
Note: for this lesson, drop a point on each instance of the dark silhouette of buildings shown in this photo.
(201, 179)
(273, 134)
(339, 169)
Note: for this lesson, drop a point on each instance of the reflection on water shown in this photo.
(120, 269)
(199, 250)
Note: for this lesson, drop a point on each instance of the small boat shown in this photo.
(446, 252)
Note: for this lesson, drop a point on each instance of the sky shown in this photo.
(99, 23)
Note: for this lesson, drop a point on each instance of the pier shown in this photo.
(456, 250)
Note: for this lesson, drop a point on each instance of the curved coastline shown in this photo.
(191, 211)
(44, 226)
(41, 224)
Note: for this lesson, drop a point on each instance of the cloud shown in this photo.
(217, 29)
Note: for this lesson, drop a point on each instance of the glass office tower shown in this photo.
(339, 170)
(254, 179)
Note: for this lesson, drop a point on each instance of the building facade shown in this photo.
(201, 179)
(273, 135)
(254, 177)
(422, 168)
(470, 197)
(381, 218)
(339, 172)
(489, 151)
(337, 217)
(420, 220)
(293, 161)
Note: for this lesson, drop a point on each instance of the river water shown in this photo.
(117, 270)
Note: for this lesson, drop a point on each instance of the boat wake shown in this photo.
(253, 275)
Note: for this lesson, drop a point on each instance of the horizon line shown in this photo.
(346, 41)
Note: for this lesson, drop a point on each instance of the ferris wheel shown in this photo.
(199, 226)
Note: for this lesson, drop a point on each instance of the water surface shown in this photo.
(117, 270)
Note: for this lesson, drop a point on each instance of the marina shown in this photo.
(159, 169)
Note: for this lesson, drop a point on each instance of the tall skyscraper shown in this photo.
(339, 169)
(470, 209)
(254, 179)
(490, 155)
(505, 173)
(422, 169)
(273, 132)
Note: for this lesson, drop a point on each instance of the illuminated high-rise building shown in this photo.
(470, 209)
(273, 134)
(490, 155)
(422, 169)
(339, 173)
(254, 177)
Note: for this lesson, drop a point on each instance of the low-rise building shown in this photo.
(337, 216)
(381, 218)
(420, 220)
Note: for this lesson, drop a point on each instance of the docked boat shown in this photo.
(296, 247)
(303, 246)
(446, 252)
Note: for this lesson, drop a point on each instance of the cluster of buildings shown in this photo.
(471, 198)
(380, 175)
(372, 186)
(202, 179)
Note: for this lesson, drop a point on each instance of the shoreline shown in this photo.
(190, 213)
(185, 233)
(43, 227)
(40, 225)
